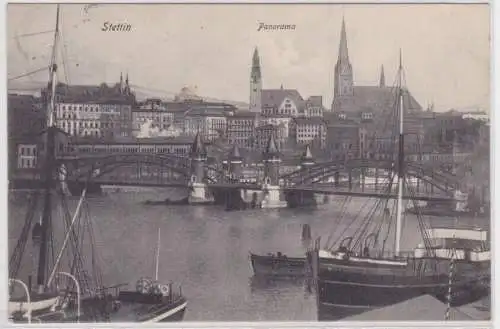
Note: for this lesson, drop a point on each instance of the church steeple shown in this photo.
(382, 77)
(255, 83)
(256, 74)
(343, 51)
(343, 71)
(121, 83)
(127, 86)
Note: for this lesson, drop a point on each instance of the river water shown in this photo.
(206, 249)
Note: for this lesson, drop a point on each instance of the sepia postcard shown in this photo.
(209, 163)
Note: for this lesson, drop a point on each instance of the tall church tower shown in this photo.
(382, 77)
(343, 71)
(255, 84)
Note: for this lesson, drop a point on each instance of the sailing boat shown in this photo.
(354, 274)
(48, 301)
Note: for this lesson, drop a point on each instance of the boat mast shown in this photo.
(400, 159)
(49, 164)
(157, 262)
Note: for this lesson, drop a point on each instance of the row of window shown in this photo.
(86, 124)
(133, 149)
(28, 151)
(242, 123)
(91, 108)
(156, 118)
(27, 163)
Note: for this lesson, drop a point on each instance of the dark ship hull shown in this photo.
(279, 265)
(347, 288)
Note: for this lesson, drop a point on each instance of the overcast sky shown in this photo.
(446, 51)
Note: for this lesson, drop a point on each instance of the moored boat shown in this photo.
(278, 265)
(357, 273)
(83, 297)
(281, 265)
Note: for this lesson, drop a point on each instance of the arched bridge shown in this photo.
(357, 168)
(134, 169)
(173, 170)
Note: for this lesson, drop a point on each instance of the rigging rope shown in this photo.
(391, 221)
(28, 74)
(17, 255)
(343, 210)
(341, 236)
(364, 228)
(450, 283)
(421, 224)
(33, 34)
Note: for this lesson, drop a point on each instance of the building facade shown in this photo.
(343, 141)
(240, 128)
(309, 131)
(108, 119)
(211, 124)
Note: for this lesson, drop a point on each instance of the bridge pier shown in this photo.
(199, 194)
(296, 199)
(198, 189)
(336, 178)
(272, 193)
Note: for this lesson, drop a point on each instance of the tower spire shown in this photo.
(382, 76)
(256, 74)
(121, 82)
(255, 83)
(400, 59)
(127, 87)
(343, 51)
(343, 80)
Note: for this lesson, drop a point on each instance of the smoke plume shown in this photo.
(147, 131)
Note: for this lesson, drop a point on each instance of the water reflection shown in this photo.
(206, 250)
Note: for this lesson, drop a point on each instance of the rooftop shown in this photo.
(134, 140)
(310, 121)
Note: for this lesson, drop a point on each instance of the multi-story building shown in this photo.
(281, 101)
(281, 122)
(211, 123)
(27, 156)
(240, 128)
(27, 117)
(314, 107)
(94, 111)
(104, 118)
(152, 113)
(343, 141)
(309, 131)
(449, 127)
(262, 134)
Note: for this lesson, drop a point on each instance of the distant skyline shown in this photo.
(446, 47)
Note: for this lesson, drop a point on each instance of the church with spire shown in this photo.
(120, 92)
(362, 102)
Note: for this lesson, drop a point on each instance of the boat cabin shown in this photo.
(459, 243)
